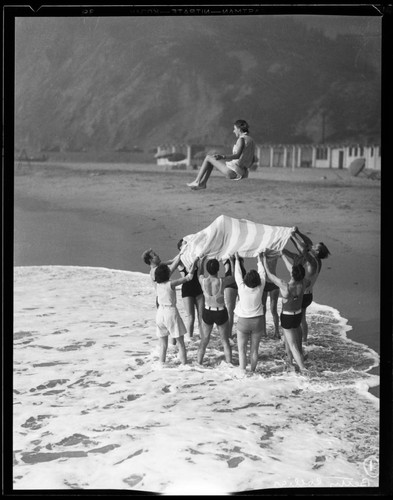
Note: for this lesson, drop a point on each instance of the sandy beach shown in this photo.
(108, 214)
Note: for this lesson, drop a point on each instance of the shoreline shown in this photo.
(140, 208)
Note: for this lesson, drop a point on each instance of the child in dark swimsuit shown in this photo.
(215, 311)
(230, 292)
(291, 315)
(193, 299)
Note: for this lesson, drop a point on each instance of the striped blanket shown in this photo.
(227, 235)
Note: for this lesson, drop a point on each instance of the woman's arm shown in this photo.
(272, 277)
(287, 262)
(261, 270)
(182, 268)
(185, 279)
(301, 241)
(238, 270)
(289, 254)
(201, 269)
(174, 263)
(234, 156)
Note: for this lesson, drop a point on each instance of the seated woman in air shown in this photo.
(234, 166)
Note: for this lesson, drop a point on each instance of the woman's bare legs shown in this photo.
(182, 350)
(292, 343)
(230, 295)
(200, 304)
(206, 169)
(224, 334)
(163, 343)
(189, 306)
(207, 329)
(254, 349)
(304, 326)
(274, 294)
(242, 341)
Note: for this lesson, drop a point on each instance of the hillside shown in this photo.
(108, 83)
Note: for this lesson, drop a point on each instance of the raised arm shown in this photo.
(287, 262)
(301, 241)
(261, 270)
(180, 281)
(291, 255)
(272, 277)
(174, 263)
(201, 269)
(238, 270)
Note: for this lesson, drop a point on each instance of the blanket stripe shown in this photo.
(227, 235)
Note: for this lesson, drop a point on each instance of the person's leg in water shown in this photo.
(163, 343)
(291, 338)
(304, 326)
(230, 296)
(264, 299)
(207, 329)
(189, 306)
(200, 305)
(242, 341)
(224, 335)
(274, 294)
(254, 348)
(182, 350)
(206, 169)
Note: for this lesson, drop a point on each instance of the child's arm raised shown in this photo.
(189, 277)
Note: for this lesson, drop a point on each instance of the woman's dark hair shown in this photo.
(146, 256)
(298, 272)
(323, 252)
(252, 279)
(162, 273)
(212, 266)
(242, 125)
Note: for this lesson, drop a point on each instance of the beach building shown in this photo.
(279, 155)
(318, 155)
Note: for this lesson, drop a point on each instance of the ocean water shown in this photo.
(93, 409)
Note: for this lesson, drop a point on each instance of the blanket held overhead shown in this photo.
(227, 235)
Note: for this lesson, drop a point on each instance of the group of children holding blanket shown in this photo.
(243, 293)
(216, 299)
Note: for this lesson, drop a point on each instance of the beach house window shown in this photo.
(322, 153)
(350, 152)
(361, 151)
(371, 151)
(355, 152)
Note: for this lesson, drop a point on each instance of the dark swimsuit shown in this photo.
(229, 273)
(307, 299)
(269, 287)
(289, 321)
(191, 288)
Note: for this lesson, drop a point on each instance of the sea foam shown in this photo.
(93, 408)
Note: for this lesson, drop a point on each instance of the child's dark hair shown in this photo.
(323, 251)
(146, 256)
(252, 279)
(242, 125)
(298, 272)
(162, 273)
(179, 244)
(212, 266)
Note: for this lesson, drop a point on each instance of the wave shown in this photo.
(94, 409)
